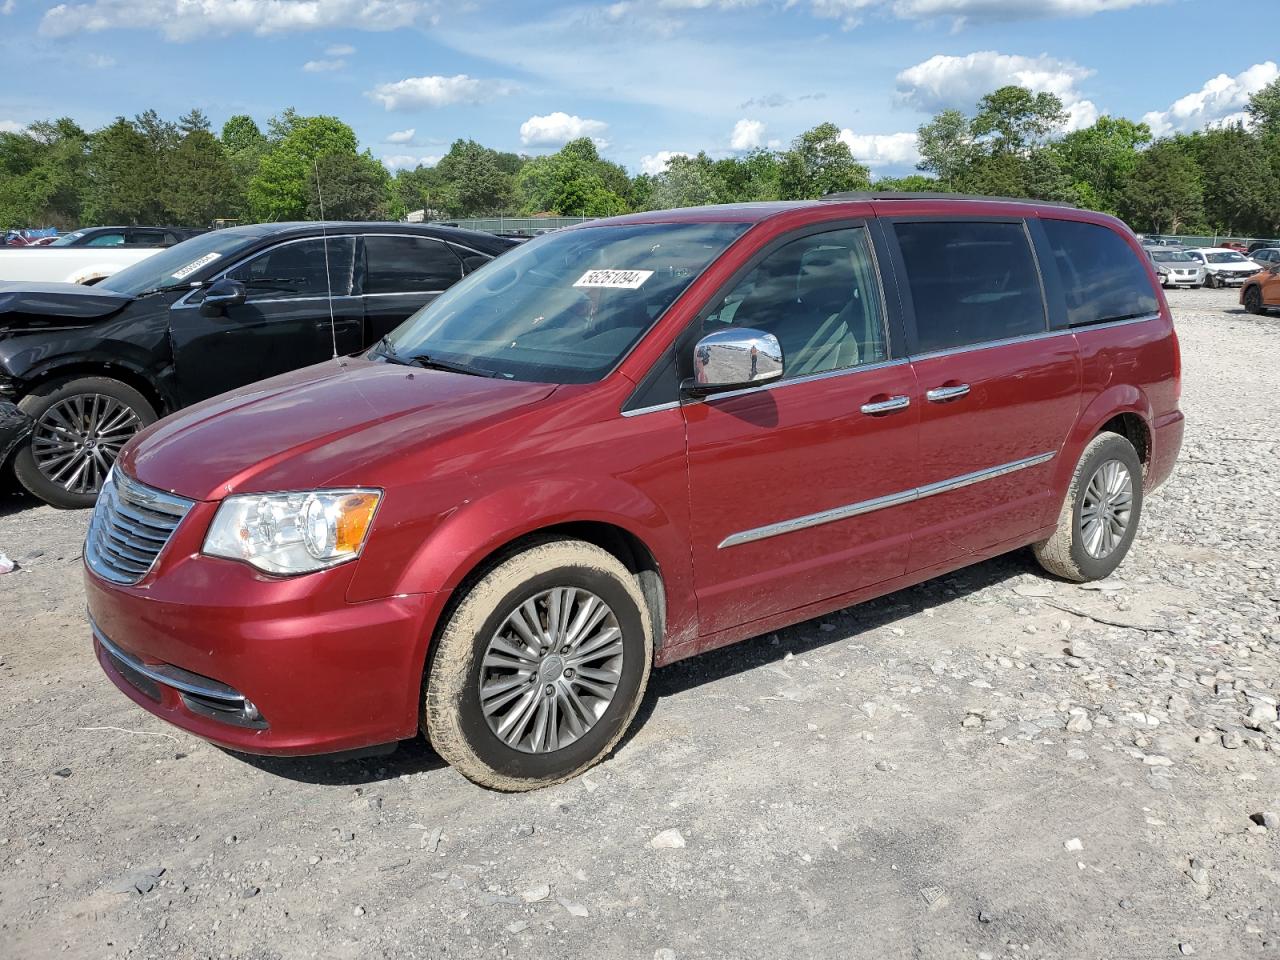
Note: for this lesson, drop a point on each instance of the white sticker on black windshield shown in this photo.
(614, 279)
(195, 265)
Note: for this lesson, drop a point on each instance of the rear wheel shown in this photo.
(1099, 517)
(80, 426)
(540, 669)
(1253, 300)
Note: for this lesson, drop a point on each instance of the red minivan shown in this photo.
(627, 443)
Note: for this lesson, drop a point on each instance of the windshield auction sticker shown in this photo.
(195, 265)
(614, 279)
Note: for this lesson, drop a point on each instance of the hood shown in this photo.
(307, 428)
(55, 304)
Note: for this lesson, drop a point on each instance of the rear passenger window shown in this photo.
(1102, 277)
(970, 282)
(819, 296)
(409, 265)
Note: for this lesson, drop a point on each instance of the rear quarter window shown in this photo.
(1102, 277)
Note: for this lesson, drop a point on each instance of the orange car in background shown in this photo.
(1262, 290)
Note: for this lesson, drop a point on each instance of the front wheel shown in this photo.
(1099, 517)
(80, 426)
(540, 668)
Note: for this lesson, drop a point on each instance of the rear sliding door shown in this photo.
(999, 392)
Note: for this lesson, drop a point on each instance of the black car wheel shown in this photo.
(1253, 300)
(80, 426)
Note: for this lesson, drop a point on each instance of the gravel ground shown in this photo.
(990, 765)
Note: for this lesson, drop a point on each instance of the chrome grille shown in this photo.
(130, 526)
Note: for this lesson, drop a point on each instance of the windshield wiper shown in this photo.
(422, 360)
(386, 349)
(168, 288)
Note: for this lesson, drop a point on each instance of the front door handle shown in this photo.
(943, 394)
(886, 406)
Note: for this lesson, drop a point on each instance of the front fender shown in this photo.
(465, 535)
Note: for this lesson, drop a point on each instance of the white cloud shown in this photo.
(944, 82)
(339, 50)
(11, 126)
(404, 161)
(882, 150)
(323, 66)
(8, 7)
(191, 19)
(1220, 100)
(415, 93)
(401, 136)
(747, 135)
(654, 163)
(964, 11)
(100, 61)
(558, 128)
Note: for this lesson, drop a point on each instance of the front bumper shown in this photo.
(260, 664)
(15, 427)
(1231, 279)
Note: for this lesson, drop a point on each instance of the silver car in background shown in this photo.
(1176, 268)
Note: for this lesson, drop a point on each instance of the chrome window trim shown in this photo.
(881, 503)
(403, 293)
(351, 279)
(845, 371)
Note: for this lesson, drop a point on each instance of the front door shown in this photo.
(400, 275)
(283, 324)
(999, 394)
(797, 487)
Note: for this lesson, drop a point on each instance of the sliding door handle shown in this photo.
(943, 394)
(886, 406)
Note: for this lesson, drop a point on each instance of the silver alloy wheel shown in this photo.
(1106, 509)
(76, 440)
(551, 670)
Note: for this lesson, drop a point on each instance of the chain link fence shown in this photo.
(1212, 240)
(523, 226)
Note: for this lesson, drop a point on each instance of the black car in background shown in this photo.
(125, 237)
(91, 366)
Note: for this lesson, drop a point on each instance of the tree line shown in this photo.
(148, 170)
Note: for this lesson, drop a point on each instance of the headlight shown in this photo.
(292, 532)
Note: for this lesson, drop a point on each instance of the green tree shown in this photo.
(1235, 171)
(912, 183)
(1164, 194)
(355, 188)
(120, 177)
(284, 185)
(202, 183)
(574, 180)
(42, 175)
(686, 182)
(946, 148)
(1013, 120)
(819, 163)
(472, 180)
(1100, 160)
(1264, 110)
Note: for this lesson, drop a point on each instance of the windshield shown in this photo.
(67, 239)
(176, 265)
(1227, 257)
(1171, 256)
(566, 307)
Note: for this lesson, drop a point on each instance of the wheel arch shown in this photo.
(108, 370)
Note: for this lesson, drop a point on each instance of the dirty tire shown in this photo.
(452, 717)
(1064, 554)
(1253, 300)
(39, 401)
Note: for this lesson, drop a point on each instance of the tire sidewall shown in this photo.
(1112, 447)
(38, 402)
(452, 716)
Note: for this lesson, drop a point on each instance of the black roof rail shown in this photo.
(928, 195)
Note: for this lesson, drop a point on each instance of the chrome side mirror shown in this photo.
(734, 358)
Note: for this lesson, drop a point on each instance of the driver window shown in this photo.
(820, 297)
(106, 240)
(292, 271)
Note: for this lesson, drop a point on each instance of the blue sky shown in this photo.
(643, 77)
